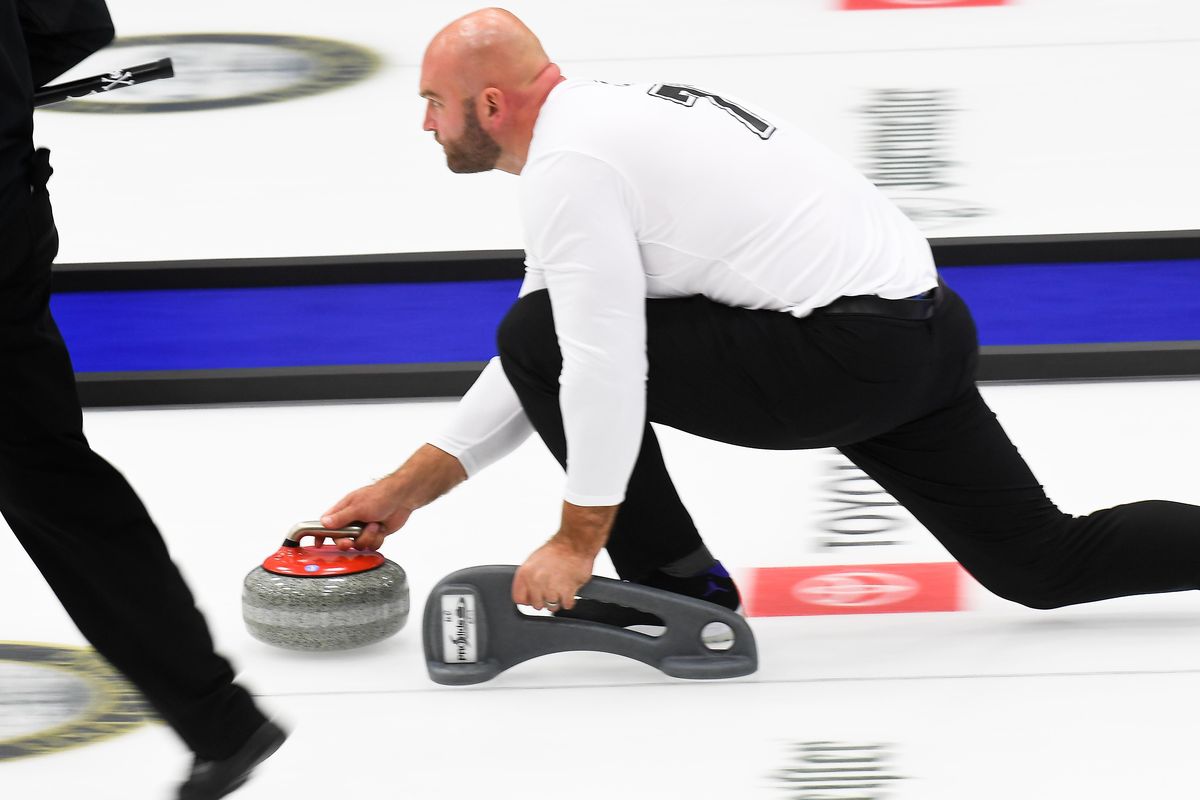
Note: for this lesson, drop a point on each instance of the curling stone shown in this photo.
(322, 598)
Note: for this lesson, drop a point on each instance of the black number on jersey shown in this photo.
(687, 96)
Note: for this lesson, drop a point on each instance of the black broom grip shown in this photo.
(97, 84)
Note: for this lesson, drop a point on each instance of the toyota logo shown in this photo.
(856, 589)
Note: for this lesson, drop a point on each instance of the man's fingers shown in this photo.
(370, 539)
(373, 535)
(335, 519)
(350, 515)
(534, 586)
(520, 591)
(335, 512)
(564, 593)
(359, 543)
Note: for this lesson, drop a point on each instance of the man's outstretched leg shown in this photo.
(961, 477)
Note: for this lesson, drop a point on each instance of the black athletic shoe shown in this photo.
(713, 585)
(213, 779)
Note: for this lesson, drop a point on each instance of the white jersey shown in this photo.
(665, 190)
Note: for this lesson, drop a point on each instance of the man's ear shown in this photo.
(493, 106)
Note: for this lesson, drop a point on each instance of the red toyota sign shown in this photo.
(872, 5)
(858, 589)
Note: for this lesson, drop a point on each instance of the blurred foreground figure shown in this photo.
(75, 515)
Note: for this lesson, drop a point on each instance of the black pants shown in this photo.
(898, 398)
(80, 521)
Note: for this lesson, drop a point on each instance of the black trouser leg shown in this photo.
(961, 477)
(85, 528)
(652, 528)
(898, 397)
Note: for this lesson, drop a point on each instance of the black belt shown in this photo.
(919, 307)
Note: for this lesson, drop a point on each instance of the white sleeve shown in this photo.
(488, 422)
(578, 218)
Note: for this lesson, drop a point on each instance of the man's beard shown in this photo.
(475, 150)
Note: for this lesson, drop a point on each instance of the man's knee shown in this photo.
(528, 328)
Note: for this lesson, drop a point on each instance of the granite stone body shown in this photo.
(325, 613)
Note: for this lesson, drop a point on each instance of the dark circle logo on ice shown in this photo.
(54, 698)
(225, 70)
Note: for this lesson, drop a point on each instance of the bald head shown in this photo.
(485, 77)
(489, 47)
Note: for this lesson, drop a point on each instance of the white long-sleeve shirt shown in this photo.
(656, 191)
